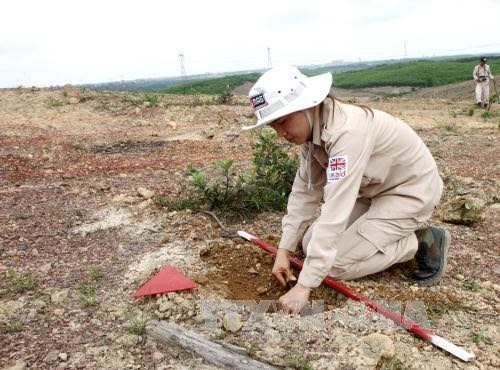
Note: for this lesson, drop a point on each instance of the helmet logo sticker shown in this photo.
(258, 101)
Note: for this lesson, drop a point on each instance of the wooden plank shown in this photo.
(215, 353)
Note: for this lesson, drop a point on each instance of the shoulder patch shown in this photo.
(337, 168)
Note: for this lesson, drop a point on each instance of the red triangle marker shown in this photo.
(166, 281)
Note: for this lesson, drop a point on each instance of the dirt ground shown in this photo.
(80, 232)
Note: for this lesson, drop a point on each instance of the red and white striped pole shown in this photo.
(398, 318)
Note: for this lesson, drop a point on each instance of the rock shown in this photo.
(19, 365)
(63, 356)
(10, 308)
(128, 340)
(232, 322)
(123, 199)
(145, 204)
(262, 289)
(52, 356)
(171, 124)
(44, 269)
(165, 306)
(376, 346)
(34, 252)
(158, 357)
(463, 210)
(73, 100)
(59, 296)
(251, 270)
(145, 193)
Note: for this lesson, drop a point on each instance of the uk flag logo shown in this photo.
(337, 168)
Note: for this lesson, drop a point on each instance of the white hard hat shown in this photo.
(284, 90)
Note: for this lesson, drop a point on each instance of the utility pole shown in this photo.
(269, 63)
(183, 68)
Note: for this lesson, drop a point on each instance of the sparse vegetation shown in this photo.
(487, 114)
(231, 195)
(296, 361)
(176, 204)
(152, 100)
(479, 337)
(22, 282)
(95, 273)
(226, 97)
(51, 102)
(391, 363)
(451, 127)
(87, 295)
(137, 323)
(21, 216)
(471, 285)
(9, 324)
(471, 112)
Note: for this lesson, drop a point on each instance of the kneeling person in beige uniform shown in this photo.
(378, 180)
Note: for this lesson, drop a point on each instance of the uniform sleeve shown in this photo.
(340, 194)
(302, 203)
(474, 73)
(489, 73)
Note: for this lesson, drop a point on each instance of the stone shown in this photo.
(376, 346)
(158, 357)
(463, 210)
(145, 193)
(128, 340)
(59, 296)
(63, 356)
(232, 322)
(165, 306)
(52, 356)
(123, 199)
(19, 365)
(44, 269)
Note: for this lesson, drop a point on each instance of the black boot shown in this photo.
(431, 256)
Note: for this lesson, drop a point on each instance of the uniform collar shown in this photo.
(319, 115)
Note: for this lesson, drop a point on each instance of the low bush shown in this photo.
(238, 195)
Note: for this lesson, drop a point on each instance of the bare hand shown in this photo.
(295, 299)
(281, 268)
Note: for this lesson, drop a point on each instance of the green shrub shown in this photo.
(486, 114)
(263, 188)
(51, 102)
(152, 100)
(226, 97)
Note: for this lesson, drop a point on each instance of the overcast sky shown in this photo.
(53, 42)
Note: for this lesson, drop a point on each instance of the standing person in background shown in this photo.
(482, 75)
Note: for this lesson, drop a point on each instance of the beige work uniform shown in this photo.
(389, 189)
(482, 91)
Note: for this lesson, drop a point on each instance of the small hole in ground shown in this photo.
(243, 272)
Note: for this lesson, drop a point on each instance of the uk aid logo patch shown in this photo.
(337, 168)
